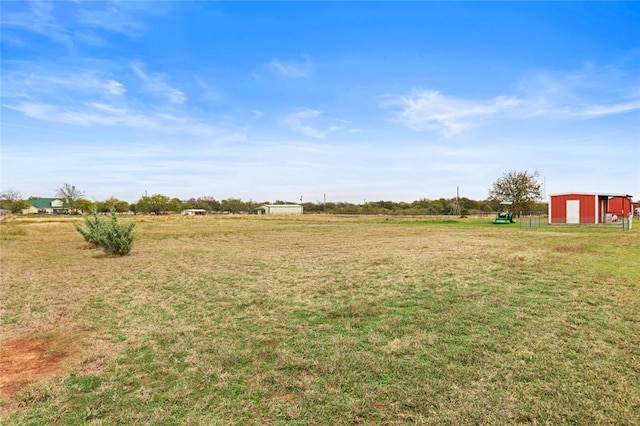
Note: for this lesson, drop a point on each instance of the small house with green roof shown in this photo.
(46, 206)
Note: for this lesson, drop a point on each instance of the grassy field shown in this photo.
(320, 320)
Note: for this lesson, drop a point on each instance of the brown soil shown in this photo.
(30, 358)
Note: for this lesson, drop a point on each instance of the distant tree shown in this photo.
(329, 206)
(521, 188)
(384, 205)
(10, 195)
(312, 207)
(214, 205)
(156, 204)
(539, 207)
(195, 203)
(190, 203)
(70, 194)
(112, 204)
(121, 206)
(85, 206)
(468, 206)
(233, 205)
(18, 205)
(201, 204)
(175, 205)
(8, 199)
(349, 208)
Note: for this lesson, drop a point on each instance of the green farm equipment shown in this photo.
(505, 215)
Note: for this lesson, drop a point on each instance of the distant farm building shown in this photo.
(274, 209)
(581, 208)
(46, 206)
(194, 212)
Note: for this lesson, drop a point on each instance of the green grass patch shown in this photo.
(83, 384)
(339, 320)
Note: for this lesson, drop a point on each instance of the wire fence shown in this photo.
(532, 220)
(609, 221)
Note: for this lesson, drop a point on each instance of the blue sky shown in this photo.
(282, 100)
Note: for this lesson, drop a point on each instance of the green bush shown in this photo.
(117, 238)
(113, 237)
(92, 233)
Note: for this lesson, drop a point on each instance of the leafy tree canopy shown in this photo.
(156, 203)
(521, 188)
(85, 206)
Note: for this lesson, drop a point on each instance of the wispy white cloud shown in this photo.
(291, 68)
(588, 93)
(99, 114)
(310, 122)
(604, 110)
(84, 98)
(257, 115)
(422, 110)
(26, 80)
(96, 114)
(76, 23)
(207, 91)
(36, 17)
(115, 17)
(155, 83)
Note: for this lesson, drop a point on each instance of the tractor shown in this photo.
(505, 215)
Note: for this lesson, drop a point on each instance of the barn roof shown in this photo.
(44, 203)
(599, 194)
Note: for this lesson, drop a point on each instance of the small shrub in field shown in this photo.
(116, 238)
(93, 224)
(113, 237)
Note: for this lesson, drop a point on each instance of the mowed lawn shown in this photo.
(317, 320)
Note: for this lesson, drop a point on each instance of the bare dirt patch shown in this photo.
(28, 359)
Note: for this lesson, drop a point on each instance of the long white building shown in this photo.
(279, 209)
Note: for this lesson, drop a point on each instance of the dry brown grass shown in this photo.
(323, 319)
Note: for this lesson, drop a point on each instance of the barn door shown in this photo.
(573, 211)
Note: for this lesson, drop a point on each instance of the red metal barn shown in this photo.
(581, 208)
(620, 206)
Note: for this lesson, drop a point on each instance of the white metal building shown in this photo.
(194, 212)
(279, 209)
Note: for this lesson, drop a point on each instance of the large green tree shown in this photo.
(85, 206)
(112, 204)
(18, 206)
(521, 188)
(157, 204)
(233, 205)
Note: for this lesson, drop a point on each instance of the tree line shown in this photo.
(163, 204)
(521, 188)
